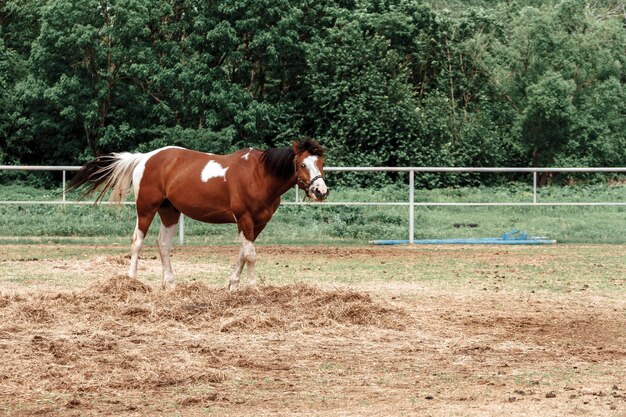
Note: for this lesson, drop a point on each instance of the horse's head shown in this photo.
(309, 166)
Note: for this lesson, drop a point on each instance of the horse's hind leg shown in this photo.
(145, 215)
(169, 219)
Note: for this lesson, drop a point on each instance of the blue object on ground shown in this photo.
(513, 237)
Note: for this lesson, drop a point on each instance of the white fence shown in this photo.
(410, 202)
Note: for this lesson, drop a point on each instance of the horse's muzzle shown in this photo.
(320, 195)
(317, 189)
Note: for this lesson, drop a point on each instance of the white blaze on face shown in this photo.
(310, 163)
(213, 169)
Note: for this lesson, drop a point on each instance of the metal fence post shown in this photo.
(181, 230)
(63, 185)
(534, 187)
(411, 205)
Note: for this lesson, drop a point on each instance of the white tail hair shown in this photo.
(113, 172)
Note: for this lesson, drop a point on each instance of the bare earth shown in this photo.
(331, 331)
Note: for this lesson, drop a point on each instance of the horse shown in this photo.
(244, 187)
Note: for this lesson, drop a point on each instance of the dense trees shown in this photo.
(380, 82)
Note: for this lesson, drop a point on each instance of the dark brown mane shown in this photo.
(311, 146)
(279, 161)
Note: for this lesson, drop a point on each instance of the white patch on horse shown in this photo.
(246, 156)
(213, 169)
(141, 167)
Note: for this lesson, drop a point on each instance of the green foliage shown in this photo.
(399, 82)
(360, 91)
(545, 120)
(559, 69)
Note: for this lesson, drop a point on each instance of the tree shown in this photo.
(362, 106)
(393, 82)
(547, 117)
(554, 66)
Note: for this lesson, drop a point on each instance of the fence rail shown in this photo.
(411, 203)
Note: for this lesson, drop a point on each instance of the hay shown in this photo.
(122, 348)
(119, 287)
(119, 334)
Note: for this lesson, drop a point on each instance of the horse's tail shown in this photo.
(107, 172)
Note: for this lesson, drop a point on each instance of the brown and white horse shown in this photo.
(243, 188)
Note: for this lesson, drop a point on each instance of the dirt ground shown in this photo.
(90, 341)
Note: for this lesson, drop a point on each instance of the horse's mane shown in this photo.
(279, 161)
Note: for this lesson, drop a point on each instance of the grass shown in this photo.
(553, 269)
(338, 225)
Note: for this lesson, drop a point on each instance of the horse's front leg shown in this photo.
(247, 257)
(250, 256)
(247, 254)
(234, 278)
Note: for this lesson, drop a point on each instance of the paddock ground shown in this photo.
(439, 331)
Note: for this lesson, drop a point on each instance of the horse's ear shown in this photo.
(308, 145)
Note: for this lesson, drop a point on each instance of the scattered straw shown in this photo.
(120, 334)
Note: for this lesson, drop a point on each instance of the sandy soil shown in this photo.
(118, 346)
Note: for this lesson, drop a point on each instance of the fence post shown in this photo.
(534, 187)
(63, 186)
(181, 230)
(411, 205)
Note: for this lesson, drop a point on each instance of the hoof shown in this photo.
(168, 285)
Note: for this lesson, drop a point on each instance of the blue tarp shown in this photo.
(468, 241)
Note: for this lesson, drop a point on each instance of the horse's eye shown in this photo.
(302, 165)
